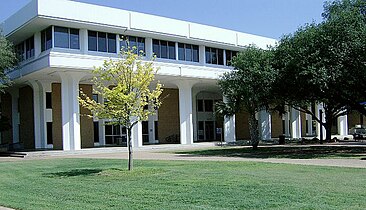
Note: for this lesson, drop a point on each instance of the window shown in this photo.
(49, 133)
(66, 37)
(46, 39)
(48, 100)
(136, 44)
(214, 56)
(19, 50)
(92, 40)
(188, 52)
(101, 42)
(200, 105)
(95, 97)
(229, 55)
(61, 37)
(25, 50)
(164, 49)
(74, 38)
(29, 48)
(208, 105)
(96, 132)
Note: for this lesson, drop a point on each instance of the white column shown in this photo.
(39, 114)
(319, 107)
(202, 54)
(264, 120)
(14, 92)
(343, 125)
(70, 110)
(84, 41)
(137, 135)
(149, 48)
(151, 125)
(229, 127)
(37, 44)
(295, 123)
(185, 112)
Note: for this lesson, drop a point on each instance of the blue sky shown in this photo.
(270, 18)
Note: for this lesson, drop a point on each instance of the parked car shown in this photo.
(358, 132)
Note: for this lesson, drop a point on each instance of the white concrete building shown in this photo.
(60, 41)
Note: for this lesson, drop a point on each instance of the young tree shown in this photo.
(325, 62)
(248, 87)
(124, 85)
(7, 61)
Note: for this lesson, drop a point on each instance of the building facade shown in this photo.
(59, 42)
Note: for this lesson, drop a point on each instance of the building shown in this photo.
(60, 41)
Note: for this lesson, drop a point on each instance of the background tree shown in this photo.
(325, 63)
(125, 87)
(7, 61)
(248, 88)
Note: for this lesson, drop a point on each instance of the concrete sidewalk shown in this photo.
(166, 152)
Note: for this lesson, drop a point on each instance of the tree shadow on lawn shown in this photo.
(80, 172)
(309, 152)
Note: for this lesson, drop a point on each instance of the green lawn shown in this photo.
(292, 152)
(105, 184)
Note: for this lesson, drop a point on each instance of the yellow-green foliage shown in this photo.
(124, 84)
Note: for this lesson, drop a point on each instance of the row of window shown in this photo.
(25, 50)
(62, 37)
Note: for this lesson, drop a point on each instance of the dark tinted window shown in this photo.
(61, 37)
(164, 49)
(220, 57)
(46, 39)
(96, 131)
(208, 105)
(188, 52)
(92, 40)
(48, 100)
(214, 56)
(49, 133)
(200, 105)
(102, 42)
(74, 38)
(136, 44)
(195, 53)
(156, 48)
(29, 47)
(112, 43)
(171, 49)
(181, 52)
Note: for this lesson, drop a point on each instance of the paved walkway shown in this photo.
(166, 152)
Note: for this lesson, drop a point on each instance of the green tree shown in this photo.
(7, 61)
(325, 62)
(248, 88)
(125, 86)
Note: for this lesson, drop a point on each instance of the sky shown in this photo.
(270, 18)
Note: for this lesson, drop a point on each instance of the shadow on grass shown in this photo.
(74, 172)
(310, 152)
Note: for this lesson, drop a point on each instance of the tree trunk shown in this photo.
(253, 129)
(129, 144)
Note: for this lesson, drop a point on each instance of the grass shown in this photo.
(105, 184)
(292, 152)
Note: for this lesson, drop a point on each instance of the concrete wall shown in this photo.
(6, 136)
(168, 114)
(26, 110)
(56, 116)
(86, 123)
